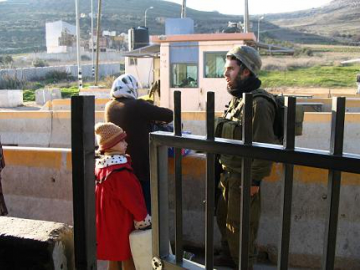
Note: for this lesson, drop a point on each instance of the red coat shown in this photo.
(119, 201)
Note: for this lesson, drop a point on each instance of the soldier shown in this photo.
(241, 69)
(3, 209)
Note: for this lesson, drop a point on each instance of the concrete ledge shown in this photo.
(65, 104)
(44, 95)
(11, 98)
(33, 244)
(52, 128)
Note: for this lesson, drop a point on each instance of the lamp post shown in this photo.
(92, 38)
(258, 37)
(78, 43)
(146, 10)
(183, 9)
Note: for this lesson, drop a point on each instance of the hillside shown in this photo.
(22, 22)
(338, 20)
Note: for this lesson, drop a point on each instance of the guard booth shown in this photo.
(335, 161)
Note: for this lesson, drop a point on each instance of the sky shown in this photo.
(256, 7)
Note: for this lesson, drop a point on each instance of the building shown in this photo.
(182, 60)
(191, 63)
(60, 37)
(194, 64)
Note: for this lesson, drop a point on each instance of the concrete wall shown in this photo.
(11, 98)
(143, 70)
(52, 128)
(40, 72)
(34, 244)
(37, 185)
(103, 56)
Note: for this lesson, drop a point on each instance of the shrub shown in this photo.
(9, 82)
(303, 51)
(85, 58)
(57, 76)
(29, 95)
(40, 63)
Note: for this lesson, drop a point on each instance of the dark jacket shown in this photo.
(135, 116)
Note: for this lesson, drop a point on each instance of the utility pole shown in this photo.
(92, 39)
(97, 43)
(183, 9)
(258, 36)
(78, 43)
(246, 17)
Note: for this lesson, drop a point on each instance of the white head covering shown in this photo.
(125, 85)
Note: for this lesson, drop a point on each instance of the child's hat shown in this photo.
(108, 135)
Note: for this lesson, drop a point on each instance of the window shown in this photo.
(214, 64)
(132, 61)
(184, 75)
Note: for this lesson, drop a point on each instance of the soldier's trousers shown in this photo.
(228, 215)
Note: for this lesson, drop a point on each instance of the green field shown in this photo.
(318, 76)
(29, 95)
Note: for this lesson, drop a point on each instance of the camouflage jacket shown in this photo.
(229, 126)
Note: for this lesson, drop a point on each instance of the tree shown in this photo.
(8, 60)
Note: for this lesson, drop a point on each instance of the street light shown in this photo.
(261, 18)
(146, 12)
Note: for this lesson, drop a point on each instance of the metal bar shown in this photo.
(287, 187)
(159, 199)
(244, 235)
(210, 185)
(178, 181)
(334, 183)
(155, 198)
(177, 113)
(83, 165)
(300, 156)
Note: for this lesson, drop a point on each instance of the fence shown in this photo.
(335, 161)
(35, 73)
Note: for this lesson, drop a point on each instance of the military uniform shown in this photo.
(229, 126)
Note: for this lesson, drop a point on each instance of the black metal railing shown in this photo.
(334, 160)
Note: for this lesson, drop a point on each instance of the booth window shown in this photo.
(184, 75)
(214, 64)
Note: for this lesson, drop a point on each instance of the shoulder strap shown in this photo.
(262, 93)
(234, 110)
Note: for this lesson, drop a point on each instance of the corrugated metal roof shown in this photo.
(152, 51)
(204, 37)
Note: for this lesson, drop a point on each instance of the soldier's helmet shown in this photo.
(248, 56)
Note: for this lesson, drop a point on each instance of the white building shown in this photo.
(60, 37)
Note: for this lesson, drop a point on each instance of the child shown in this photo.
(120, 204)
